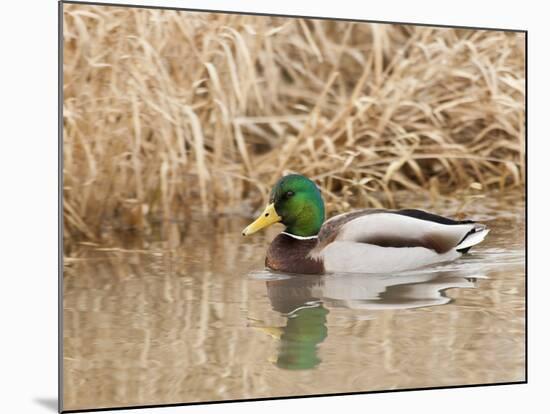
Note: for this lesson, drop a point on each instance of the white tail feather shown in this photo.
(473, 239)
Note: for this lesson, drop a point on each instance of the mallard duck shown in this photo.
(362, 241)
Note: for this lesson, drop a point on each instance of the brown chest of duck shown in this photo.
(290, 254)
(363, 241)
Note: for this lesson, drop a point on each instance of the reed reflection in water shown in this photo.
(149, 323)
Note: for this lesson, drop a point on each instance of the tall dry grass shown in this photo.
(165, 111)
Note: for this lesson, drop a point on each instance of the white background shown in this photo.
(28, 204)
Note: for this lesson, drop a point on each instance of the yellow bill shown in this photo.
(266, 219)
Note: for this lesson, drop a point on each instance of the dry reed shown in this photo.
(164, 111)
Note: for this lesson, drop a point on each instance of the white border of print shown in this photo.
(28, 171)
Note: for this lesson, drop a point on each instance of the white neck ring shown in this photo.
(300, 237)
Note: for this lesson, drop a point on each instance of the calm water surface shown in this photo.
(150, 323)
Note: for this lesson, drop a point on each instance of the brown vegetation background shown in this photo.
(165, 112)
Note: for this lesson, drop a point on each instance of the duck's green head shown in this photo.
(296, 202)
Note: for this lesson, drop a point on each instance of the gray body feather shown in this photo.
(381, 241)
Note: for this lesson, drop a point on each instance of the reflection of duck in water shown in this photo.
(305, 330)
(364, 241)
(301, 300)
(405, 291)
(305, 326)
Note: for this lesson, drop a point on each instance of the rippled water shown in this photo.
(146, 323)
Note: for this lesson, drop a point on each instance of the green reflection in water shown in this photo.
(305, 330)
(306, 321)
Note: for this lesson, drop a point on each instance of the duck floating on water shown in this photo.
(362, 241)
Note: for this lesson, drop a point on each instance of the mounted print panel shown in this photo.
(263, 206)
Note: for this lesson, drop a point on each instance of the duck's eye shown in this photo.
(289, 194)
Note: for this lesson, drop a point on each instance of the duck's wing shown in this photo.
(402, 228)
(331, 227)
(381, 241)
